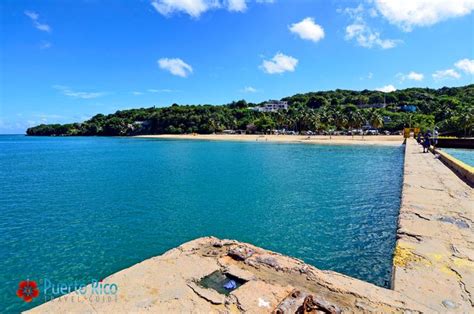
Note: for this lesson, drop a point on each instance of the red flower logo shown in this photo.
(27, 290)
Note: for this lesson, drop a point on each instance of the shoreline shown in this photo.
(383, 140)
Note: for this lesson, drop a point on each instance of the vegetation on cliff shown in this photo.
(450, 109)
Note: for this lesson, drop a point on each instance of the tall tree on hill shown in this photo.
(316, 102)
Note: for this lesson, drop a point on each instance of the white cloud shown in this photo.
(76, 94)
(34, 18)
(413, 76)
(407, 14)
(249, 89)
(237, 5)
(32, 15)
(368, 38)
(175, 66)
(83, 95)
(386, 88)
(446, 74)
(465, 65)
(137, 93)
(362, 33)
(355, 13)
(279, 63)
(308, 29)
(195, 8)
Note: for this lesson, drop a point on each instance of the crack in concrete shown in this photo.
(421, 216)
(417, 237)
(431, 189)
(466, 218)
(462, 285)
(202, 296)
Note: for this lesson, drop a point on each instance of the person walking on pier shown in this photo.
(426, 142)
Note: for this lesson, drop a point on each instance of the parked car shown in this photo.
(228, 132)
(372, 132)
(356, 132)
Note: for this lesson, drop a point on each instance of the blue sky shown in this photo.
(64, 61)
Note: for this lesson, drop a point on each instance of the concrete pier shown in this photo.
(434, 255)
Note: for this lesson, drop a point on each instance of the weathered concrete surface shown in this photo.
(167, 284)
(434, 255)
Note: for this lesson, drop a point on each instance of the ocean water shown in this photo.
(465, 155)
(77, 209)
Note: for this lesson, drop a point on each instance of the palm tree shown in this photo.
(340, 119)
(408, 120)
(375, 119)
(326, 119)
(316, 122)
(280, 119)
(301, 119)
(353, 117)
(465, 119)
(291, 123)
(307, 119)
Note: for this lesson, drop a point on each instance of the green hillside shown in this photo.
(450, 109)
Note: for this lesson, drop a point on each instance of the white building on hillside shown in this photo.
(272, 106)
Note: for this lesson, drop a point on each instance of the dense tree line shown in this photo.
(450, 109)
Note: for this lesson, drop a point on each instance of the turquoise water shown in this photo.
(84, 208)
(465, 155)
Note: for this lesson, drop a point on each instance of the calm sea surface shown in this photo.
(465, 155)
(77, 209)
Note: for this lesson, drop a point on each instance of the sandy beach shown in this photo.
(391, 140)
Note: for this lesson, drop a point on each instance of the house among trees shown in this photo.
(408, 108)
(272, 106)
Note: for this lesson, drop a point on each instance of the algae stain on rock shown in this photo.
(403, 256)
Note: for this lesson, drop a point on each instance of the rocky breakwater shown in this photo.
(182, 279)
